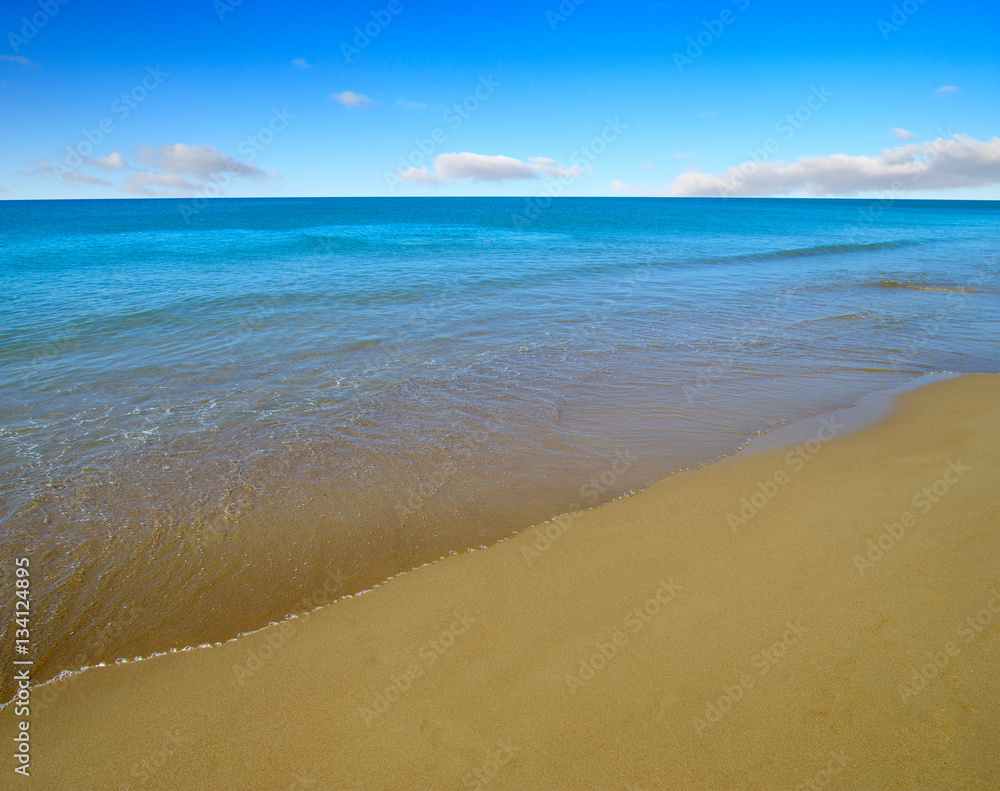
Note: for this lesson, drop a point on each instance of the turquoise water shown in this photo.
(205, 417)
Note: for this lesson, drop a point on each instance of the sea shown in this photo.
(214, 417)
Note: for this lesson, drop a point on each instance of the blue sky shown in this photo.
(258, 97)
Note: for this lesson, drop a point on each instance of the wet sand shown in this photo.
(826, 615)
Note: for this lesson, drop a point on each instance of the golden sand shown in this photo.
(821, 616)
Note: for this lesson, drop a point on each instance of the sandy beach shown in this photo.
(824, 615)
(547, 396)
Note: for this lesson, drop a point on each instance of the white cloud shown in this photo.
(46, 168)
(946, 89)
(141, 183)
(550, 167)
(352, 99)
(646, 166)
(201, 162)
(903, 134)
(410, 105)
(618, 186)
(4, 189)
(178, 167)
(16, 59)
(934, 165)
(82, 178)
(707, 114)
(302, 63)
(113, 161)
(683, 154)
(418, 176)
(482, 167)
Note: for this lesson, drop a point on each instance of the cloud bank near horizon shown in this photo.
(181, 169)
(467, 166)
(939, 164)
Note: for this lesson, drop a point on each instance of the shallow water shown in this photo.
(210, 423)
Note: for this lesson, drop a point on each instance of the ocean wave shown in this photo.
(863, 316)
(823, 249)
(920, 286)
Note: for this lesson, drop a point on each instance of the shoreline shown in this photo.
(661, 612)
(869, 408)
(457, 475)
